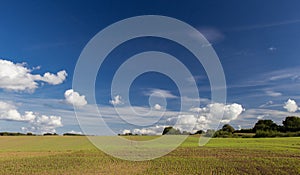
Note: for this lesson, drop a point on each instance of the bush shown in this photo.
(223, 134)
(292, 124)
(270, 133)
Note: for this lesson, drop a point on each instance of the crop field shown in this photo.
(76, 155)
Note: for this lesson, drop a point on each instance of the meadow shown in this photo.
(76, 155)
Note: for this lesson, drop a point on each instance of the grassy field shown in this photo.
(76, 155)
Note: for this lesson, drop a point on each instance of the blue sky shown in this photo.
(258, 44)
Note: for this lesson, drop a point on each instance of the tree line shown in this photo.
(263, 128)
(31, 134)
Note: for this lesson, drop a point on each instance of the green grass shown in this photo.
(76, 155)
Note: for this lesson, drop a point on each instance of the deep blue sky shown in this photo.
(255, 41)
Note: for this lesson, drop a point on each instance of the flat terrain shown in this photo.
(76, 155)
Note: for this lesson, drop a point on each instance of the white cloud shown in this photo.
(54, 79)
(74, 98)
(157, 107)
(49, 121)
(43, 124)
(215, 110)
(116, 101)
(190, 123)
(231, 112)
(267, 104)
(290, 105)
(260, 117)
(160, 93)
(207, 117)
(17, 77)
(29, 116)
(273, 94)
(37, 123)
(272, 49)
(199, 110)
(154, 130)
(9, 112)
(126, 131)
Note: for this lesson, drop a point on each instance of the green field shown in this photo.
(76, 155)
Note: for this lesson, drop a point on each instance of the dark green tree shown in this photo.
(199, 132)
(228, 128)
(171, 131)
(265, 125)
(291, 124)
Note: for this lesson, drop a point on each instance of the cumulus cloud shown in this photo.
(45, 124)
(231, 112)
(153, 130)
(190, 123)
(214, 110)
(17, 77)
(126, 131)
(74, 98)
(38, 123)
(52, 78)
(9, 111)
(290, 105)
(157, 107)
(116, 101)
(205, 118)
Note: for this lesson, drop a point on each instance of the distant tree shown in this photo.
(228, 128)
(223, 134)
(72, 134)
(11, 134)
(171, 131)
(265, 125)
(291, 124)
(185, 133)
(199, 132)
(209, 133)
(50, 134)
(244, 131)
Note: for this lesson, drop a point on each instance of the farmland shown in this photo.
(76, 155)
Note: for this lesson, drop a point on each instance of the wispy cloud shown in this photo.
(272, 49)
(273, 93)
(212, 34)
(160, 93)
(266, 25)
